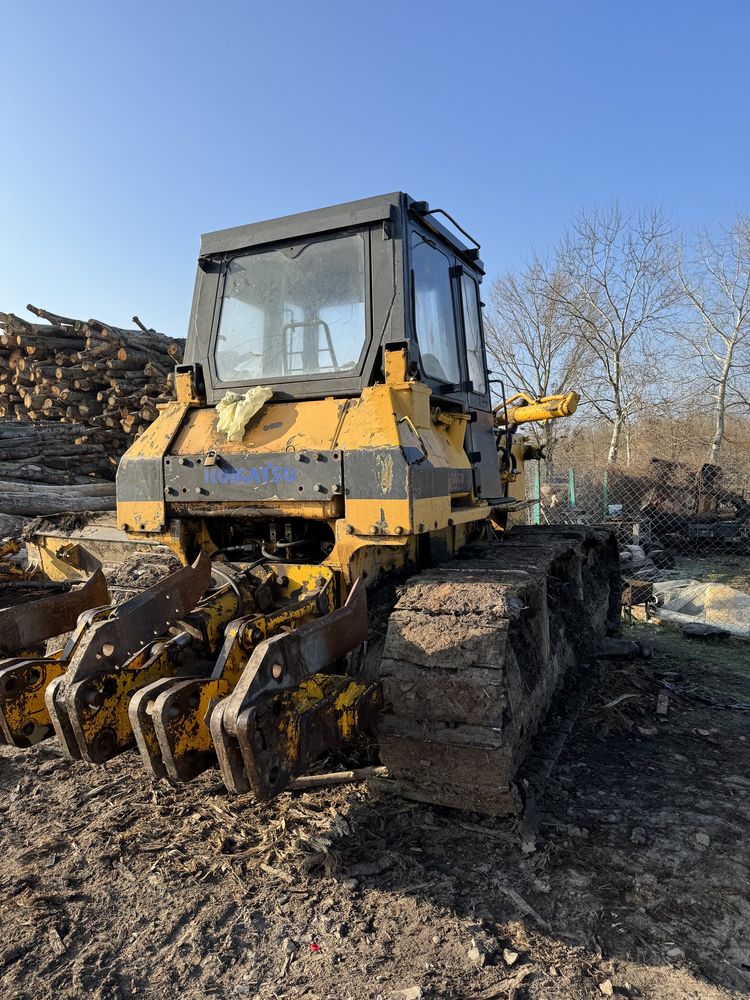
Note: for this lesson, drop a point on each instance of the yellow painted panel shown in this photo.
(370, 421)
(283, 426)
(137, 515)
(387, 516)
(153, 443)
(28, 705)
(157, 437)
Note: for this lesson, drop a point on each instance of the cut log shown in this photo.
(38, 505)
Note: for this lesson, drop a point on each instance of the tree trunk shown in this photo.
(721, 402)
(619, 421)
(714, 450)
(614, 444)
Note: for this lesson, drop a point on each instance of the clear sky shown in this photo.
(130, 128)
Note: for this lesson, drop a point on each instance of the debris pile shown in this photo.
(101, 378)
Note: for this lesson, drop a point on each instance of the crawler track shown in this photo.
(474, 652)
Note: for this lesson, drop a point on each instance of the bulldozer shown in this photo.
(333, 482)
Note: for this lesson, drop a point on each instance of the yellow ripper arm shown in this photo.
(523, 409)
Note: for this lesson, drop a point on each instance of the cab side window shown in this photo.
(433, 311)
(473, 330)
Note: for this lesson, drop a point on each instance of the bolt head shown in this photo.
(349, 529)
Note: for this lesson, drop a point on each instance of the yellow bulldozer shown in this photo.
(332, 444)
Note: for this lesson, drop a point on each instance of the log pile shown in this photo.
(74, 395)
(84, 373)
(57, 454)
(46, 468)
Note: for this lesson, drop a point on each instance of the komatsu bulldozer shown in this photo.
(332, 443)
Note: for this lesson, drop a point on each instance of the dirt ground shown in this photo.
(114, 887)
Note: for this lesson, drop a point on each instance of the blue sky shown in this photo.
(130, 128)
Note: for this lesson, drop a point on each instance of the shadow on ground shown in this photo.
(640, 884)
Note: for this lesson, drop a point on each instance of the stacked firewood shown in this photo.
(58, 454)
(49, 467)
(85, 373)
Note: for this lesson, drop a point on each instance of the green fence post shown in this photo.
(535, 506)
(572, 488)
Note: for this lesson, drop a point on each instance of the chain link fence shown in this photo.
(684, 534)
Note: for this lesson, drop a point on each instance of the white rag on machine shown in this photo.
(236, 411)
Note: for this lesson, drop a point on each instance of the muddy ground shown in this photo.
(113, 887)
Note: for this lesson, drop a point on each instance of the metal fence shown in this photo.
(684, 535)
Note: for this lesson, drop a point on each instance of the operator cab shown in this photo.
(308, 303)
(305, 303)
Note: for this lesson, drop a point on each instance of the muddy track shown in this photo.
(474, 653)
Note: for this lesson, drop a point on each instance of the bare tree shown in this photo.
(531, 340)
(618, 294)
(716, 283)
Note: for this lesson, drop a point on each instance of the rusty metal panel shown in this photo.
(106, 649)
(26, 625)
(173, 733)
(282, 714)
(284, 734)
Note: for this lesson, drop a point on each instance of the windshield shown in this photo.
(293, 312)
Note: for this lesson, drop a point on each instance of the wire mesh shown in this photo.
(683, 532)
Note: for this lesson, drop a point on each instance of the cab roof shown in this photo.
(351, 214)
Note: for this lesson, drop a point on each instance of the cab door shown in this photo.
(482, 438)
(448, 327)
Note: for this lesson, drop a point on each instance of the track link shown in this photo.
(474, 652)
